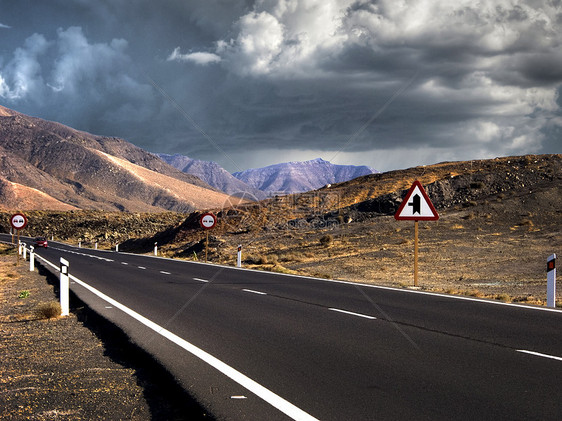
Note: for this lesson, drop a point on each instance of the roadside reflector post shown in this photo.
(117, 247)
(24, 252)
(239, 257)
(64, 287)
(31, 259)
(551, 281)
(79, 244)
(96, 245)
(156, 249)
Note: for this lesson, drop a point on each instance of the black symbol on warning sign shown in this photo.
(415, 204)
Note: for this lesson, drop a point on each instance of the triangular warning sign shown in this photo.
(416, 206)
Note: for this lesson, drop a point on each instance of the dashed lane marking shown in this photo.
(538, 354)
(365, 316)
(254, 292)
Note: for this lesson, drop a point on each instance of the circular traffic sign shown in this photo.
(208, 221)
(18, 221)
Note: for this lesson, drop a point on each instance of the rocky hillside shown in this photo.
(46, 165)
(295, 177)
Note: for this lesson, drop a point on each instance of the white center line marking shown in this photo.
(254, 292)
(163, 272)
(124, 263)
(538, 354)
(200, 280)
(141, 267)
(238, 397)
(353, 314)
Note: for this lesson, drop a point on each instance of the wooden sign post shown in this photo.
(416, 206)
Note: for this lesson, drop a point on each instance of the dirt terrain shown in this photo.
(77, 367)
(499, 221)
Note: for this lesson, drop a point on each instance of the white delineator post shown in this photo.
(24, 252)
(117, 247)
(64, 287)
(31, 259)
(239, 257)
(156, 249)
(551, 281)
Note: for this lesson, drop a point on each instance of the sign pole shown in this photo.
(19, 248)
(206, 245)
(416, 207)
(415, 253)
(207, 222)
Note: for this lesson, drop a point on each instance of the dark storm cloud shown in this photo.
(272, 80)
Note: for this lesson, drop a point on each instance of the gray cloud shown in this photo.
(279, 79)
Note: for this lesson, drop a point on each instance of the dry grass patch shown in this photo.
(48, 310)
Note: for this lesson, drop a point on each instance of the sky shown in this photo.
(248, 83)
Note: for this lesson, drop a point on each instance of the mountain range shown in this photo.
(259, 183)
(297, 177)
(47, 165)
(214, 175)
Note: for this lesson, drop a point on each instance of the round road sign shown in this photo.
(208, 221)
(18, 221)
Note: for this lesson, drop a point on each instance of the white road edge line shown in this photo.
(200, 280)
(267, 395)
(254, 292)
(538, 354)
(352, 313)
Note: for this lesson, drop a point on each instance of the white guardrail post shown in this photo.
(239, 257)
(64, 287)
(31, 259)
(551, 281)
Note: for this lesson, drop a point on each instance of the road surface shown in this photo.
(262, 346)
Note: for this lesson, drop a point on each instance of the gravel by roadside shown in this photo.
(78, 367)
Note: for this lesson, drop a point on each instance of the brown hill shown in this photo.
(80, 170)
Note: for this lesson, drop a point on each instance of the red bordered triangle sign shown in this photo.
(416, 206)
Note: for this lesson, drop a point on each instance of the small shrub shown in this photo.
(48, 310)
(23, 294)
(476, 185)
(326, 240)
(503, 297)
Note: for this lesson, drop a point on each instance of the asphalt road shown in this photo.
(263, 346)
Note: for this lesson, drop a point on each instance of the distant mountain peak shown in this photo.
(300, 176)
